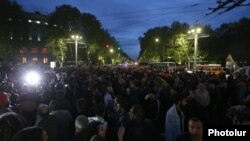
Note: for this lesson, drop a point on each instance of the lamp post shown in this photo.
(195, 34)
(76, 38)
(162, 55)
(111, 50)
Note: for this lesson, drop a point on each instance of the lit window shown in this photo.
(29, 21)
(46, 23)
(35, 59)
(10, 19)
(38, 22)
(44, 51)
(24, 60)
(45, 60)
(34, 50)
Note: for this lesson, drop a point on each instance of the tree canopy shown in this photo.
(230, 38)
(67, 20)
(12, 26)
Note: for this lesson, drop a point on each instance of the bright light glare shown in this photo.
(189, 71)
(111, 50)
(157, 40)
(198, 30)
(32, 78)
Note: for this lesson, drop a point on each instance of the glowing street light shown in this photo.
(76, 38)
(111, 50)
(158, 40)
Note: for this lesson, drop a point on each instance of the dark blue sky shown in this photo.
(127, 20)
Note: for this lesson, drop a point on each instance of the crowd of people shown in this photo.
(93, 103)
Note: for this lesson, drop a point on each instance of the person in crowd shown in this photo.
(202, 95)
(42, 112)
(174, 123)
(4, 103)
(97, 138)
(138, 128)
(120, 133)
(28, 107)
(122, 108)
(59, 123)
(81, 127)
(151, 105)
(60, 94)
(165, 101)
(203, 98)
(108, 101)
(191, 109)
(33, 133)
(99, 115)
(240, 114)
(155, 93)
(10, 124)
(96, 128)
(82, 107)
(195, 131)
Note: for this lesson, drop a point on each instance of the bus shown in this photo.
(162, 66)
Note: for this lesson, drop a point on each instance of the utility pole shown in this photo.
(195, 33)
(76, 40)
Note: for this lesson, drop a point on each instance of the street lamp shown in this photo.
(76, 38)
(111, 50)
(157, 40)
(195, 34)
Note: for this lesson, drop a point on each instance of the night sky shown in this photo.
(127, 20)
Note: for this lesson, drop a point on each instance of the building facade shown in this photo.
(33, 47)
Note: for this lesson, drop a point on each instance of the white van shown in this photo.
(244, 71)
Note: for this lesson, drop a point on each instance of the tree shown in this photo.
(181, 49)
(58, 48)
(64, 21)
(150, 50)
(233, 38)
(211, 45)
(67, 20)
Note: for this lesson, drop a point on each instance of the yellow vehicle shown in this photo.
(211, 68)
